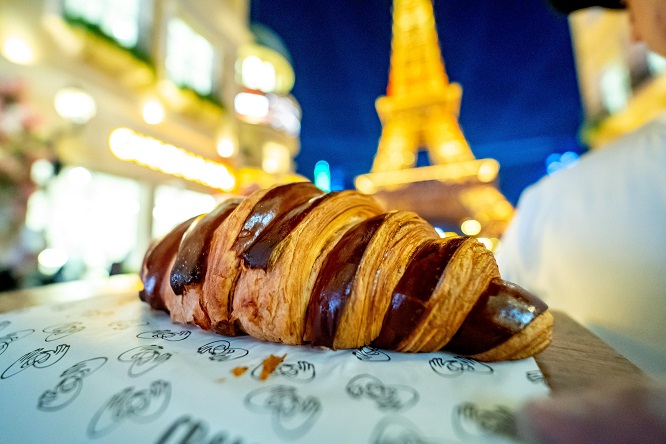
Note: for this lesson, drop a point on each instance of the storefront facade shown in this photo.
(136, 102)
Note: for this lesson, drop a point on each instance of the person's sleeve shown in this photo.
(519, 254)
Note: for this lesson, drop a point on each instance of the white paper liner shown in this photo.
(103, 371)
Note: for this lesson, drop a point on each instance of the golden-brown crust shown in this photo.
(270, 300)
(380, 269)
(180, 309)
(467, 274)
(224, 268)
(533, 339)
(271, 304)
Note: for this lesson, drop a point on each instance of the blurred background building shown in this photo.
(120, 118)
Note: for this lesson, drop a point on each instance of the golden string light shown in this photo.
(131, 146)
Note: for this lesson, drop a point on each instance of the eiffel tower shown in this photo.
(420, 112)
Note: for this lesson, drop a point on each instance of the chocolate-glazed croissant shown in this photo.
(295, 265)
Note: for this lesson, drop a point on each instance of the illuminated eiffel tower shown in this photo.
(420, 112)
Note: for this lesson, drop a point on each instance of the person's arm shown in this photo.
(518, 256)
(620, 413)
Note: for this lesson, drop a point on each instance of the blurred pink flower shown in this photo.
(20, 146)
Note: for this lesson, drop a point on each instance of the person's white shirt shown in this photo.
(591, 241)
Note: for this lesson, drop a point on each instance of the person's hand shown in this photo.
(628, 413)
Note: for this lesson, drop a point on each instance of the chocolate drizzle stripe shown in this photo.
(156, 265)
(502, 310)
(192, 259)
(335, 281)
(259, 252)
(271, 207)
(413, 291)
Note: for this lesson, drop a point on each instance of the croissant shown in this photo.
(295, 265)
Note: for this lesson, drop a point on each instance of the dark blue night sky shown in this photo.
(513, 59)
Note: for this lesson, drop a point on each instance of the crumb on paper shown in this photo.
(219, 380)
(270, 364)
(238, 371)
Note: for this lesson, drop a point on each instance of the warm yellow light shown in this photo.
(253, 106)
(409, 158)
(397, 158)
(471, 227)
(119, 142)
(130, 146)
(452, 148)
(226, 148)
(490, 243)
(261, 68)
(153, 112)
(258, 74)
(486, 242)
(503, 209)
(364, 185)
(275, 158)
(18, 51)
(454, 172)
(75, 105)
(488, 171)
(169, 90)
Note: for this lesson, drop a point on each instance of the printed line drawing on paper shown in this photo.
(96, 313)
(188, 430)
(143, 359)
(59, 331)
(385, 396)
(301, 371)
(13, 337)
(472, 422)
(292, 415)
(65, 306)
(167, 335)
(221, 350)
(458, 365)
(70, 385)
(38, 358)
(396, 429)
(140, 406)
(535, 376)
(367, 353)
(124, 325)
